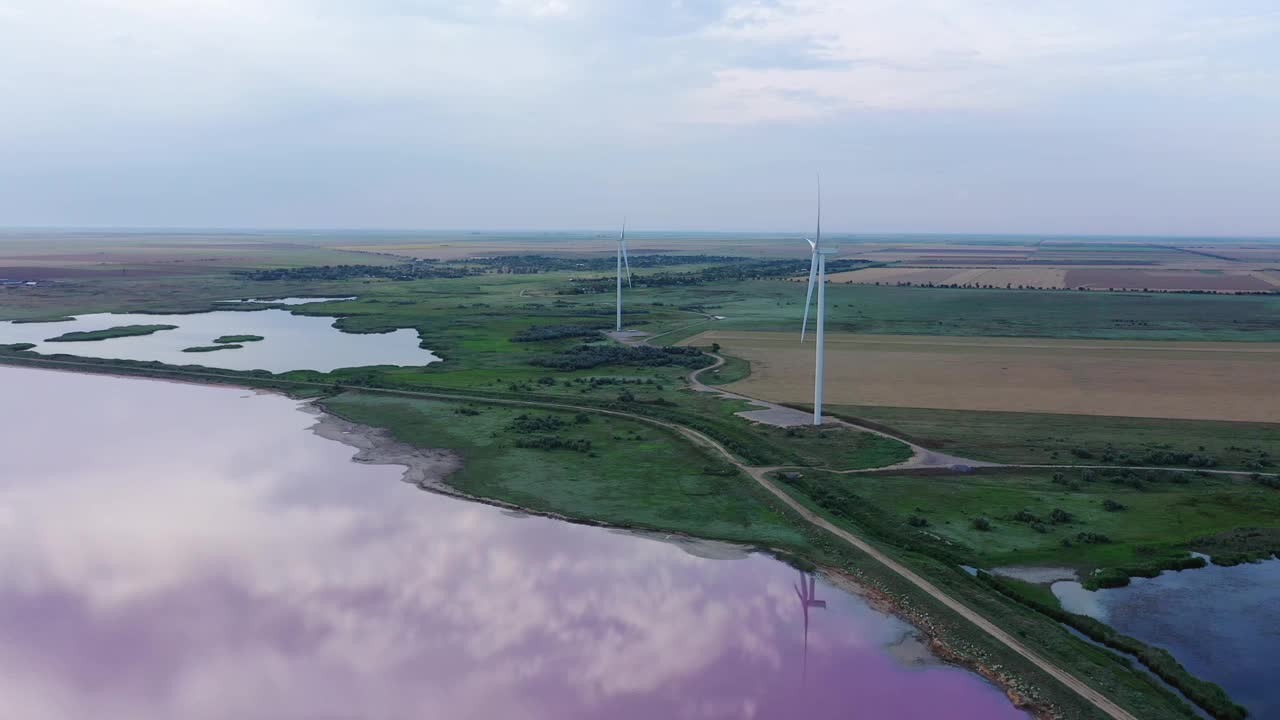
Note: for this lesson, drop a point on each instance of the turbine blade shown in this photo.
(626, 263)
(808, 298)
(818, 235)
(812, 245)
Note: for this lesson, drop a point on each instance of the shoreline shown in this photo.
(429, 469)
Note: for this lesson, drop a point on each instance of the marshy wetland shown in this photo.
(285, 341)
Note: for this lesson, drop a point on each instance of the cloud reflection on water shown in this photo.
(177, 551)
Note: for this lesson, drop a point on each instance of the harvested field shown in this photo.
(1104, 279)
(1194, 380)
(999, 277)
(1051, 278)
(895, 275)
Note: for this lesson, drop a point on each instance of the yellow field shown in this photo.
(1211, 381)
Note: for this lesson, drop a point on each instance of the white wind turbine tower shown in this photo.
(818, 270)
(622, 260)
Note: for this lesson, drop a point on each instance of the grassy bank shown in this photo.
(629, 483)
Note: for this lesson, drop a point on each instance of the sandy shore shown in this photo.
(425, 467)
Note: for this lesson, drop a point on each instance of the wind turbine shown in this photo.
(622, 260)
(818, 270)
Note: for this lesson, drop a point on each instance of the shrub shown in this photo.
(1112, 506)
(1081, 453)
(917, 521)
(1270, 481)
(1026, 516)
(555, 332)
(583, 357)
(1109, 578)
(1060, 516)
(528, 424)
(981, 523)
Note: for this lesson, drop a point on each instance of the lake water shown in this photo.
(291, 342)
(1221, 623)
(180, 551)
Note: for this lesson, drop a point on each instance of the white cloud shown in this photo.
(939, 56)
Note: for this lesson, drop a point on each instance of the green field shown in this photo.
(635, 474)
(115, 332)
(1045, 438)
(733, 370)
(1152, 522)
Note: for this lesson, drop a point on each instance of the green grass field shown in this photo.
(733, 370)
(636, 474)
(1160, 521)
(1045, 438)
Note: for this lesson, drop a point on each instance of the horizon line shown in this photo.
(544, 231)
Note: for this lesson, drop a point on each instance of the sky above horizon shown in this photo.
(1000, 116)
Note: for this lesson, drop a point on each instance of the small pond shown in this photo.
(290, 342)
(1221, 623)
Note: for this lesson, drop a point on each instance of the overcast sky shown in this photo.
(1080, 116)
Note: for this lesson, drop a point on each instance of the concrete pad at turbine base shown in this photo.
(628, 337)
(780, 416)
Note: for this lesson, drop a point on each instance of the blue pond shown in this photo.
(1221, 623)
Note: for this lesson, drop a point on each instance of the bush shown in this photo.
(1026, 516)
(1060, 516)
(584, 357)
(529, 424)
(1112, 506)
(981, 523)
(917, 521)
(538, 333)
(1109, 578)
(1270, 481)
(1081, 453)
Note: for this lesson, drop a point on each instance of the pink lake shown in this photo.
(172, 551)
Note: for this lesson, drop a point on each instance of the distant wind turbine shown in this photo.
(622, 260)
(818, 271)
